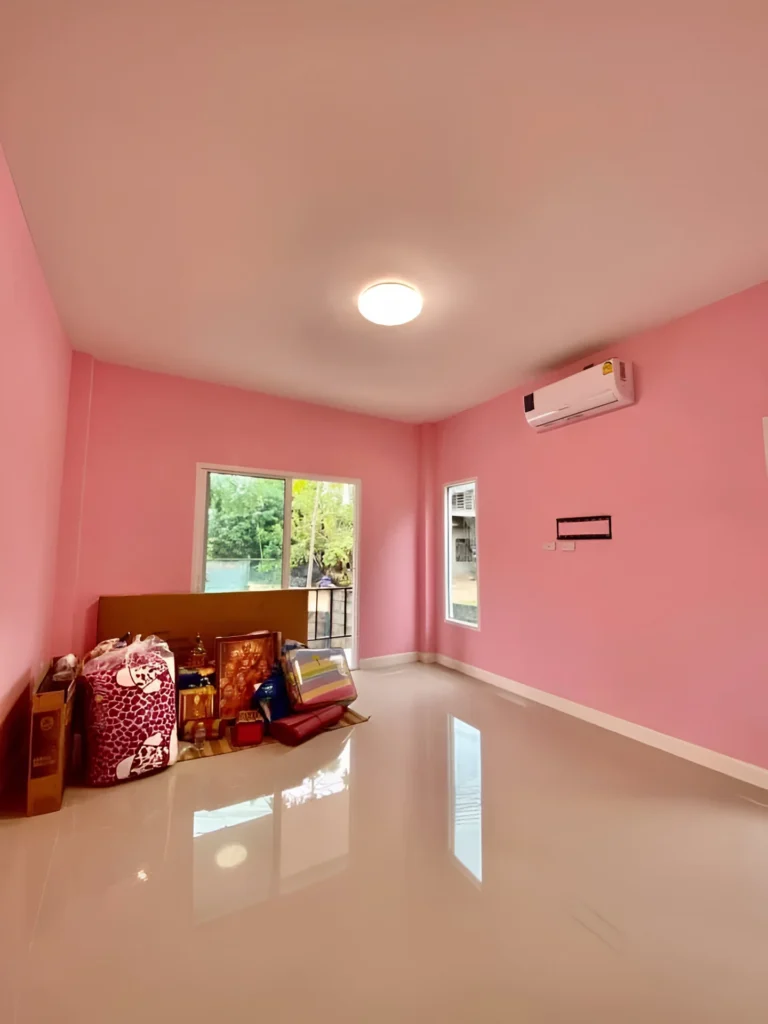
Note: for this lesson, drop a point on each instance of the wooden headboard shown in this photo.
(178, 617)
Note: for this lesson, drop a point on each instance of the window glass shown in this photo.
(461, 554)
(244, 533)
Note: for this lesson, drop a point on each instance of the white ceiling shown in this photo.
(210, 183)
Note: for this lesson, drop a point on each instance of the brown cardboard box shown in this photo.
(50, 737)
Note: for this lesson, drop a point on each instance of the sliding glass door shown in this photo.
(266, 532)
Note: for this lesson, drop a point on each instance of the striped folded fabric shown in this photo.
(317, 678)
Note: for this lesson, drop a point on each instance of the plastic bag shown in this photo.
(130, 710)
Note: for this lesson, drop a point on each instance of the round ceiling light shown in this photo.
(390, 303)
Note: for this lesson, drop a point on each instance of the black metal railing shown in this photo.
(330, 614)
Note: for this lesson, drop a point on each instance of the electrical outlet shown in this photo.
(549, 546)
(567, 545)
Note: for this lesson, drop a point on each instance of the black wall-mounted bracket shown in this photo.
(593, 528)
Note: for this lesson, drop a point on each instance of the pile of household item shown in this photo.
(138, 715)
(256, 687)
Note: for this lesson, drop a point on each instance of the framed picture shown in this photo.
(242, 664)
(196, 704)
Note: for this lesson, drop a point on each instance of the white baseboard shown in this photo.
(387, 661)
(742, 770)
(427, 657)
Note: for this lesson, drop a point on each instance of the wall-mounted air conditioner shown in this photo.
(598, 389)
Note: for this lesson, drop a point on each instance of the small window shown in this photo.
(461, 554)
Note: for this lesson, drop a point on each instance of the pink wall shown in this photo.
(665, 625)
(134, 441)
(426, 539)
(67, 624)
(33, 410)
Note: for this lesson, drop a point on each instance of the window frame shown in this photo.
(200, 527)
(448, 553)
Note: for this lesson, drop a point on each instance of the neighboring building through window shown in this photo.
(461, 554)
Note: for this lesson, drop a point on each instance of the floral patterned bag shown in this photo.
(130, 710)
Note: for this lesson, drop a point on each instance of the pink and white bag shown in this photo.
(130, 710)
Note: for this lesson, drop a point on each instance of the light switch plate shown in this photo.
(567, 545)
(549, 546)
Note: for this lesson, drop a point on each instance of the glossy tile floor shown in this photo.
(464, 856)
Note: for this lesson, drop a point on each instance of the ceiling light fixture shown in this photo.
(390, 303)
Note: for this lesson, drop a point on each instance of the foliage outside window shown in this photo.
(322, 529)
(246, 532)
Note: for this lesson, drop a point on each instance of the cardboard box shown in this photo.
(49, 744)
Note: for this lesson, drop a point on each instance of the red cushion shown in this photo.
(296, 728)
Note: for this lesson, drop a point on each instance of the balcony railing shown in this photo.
(330, 613)
(330, 610)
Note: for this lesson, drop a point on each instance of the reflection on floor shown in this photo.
(227, 817)
(460, 857)
(318, 808)
(247, 852)
(467, 796)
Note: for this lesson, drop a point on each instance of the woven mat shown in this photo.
(226, 746)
